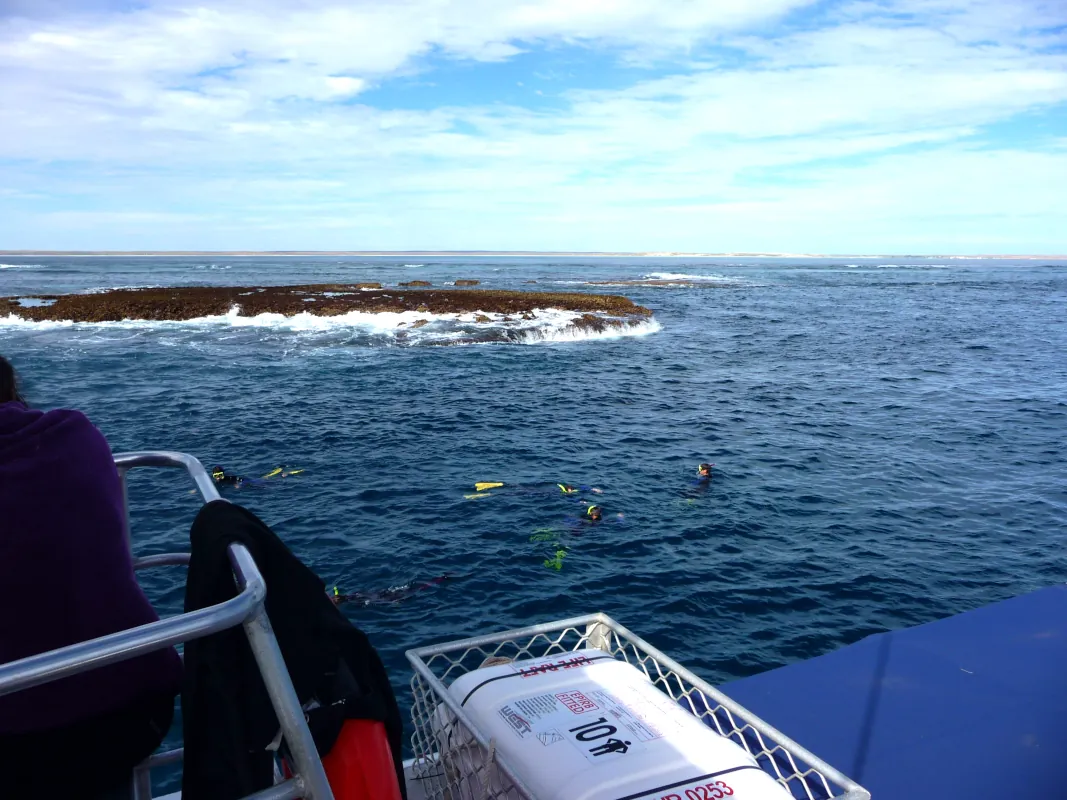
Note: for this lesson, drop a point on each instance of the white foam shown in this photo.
(570, 333)
(11, 321)
(684, 276)
(414, 265)
(914, 267)
(304, 321)
(21, 266)
(547, 325)
(106, 289)
(372, 322)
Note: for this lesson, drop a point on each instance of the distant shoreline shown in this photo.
(487, 254)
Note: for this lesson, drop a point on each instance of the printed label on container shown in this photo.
(703, 789)
(544, 666)
(601, 725)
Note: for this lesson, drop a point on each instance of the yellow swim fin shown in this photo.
(480, 494)
(273, 472)
(483, 485)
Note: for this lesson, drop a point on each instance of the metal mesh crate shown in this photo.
(455, 761)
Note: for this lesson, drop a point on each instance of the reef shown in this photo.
(599, 311)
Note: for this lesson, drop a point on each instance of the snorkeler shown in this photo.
(482, 488)
(567, 488)
(282, 472)
(700, 485)
(223, 478)
(558, 538)
(394, 594)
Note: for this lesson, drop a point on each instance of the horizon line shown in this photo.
(514, 254)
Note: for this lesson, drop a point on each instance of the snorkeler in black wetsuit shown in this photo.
(700, 485)
(558, 538)
(567, 488)
(483, 487)
(223, 478)
(394, 594)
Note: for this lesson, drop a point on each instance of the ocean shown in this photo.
(888, 439)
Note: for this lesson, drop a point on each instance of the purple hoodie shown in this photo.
(65, 573)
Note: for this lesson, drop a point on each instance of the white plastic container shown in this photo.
(587, 726)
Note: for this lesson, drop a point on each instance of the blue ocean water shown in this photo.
(889, 441)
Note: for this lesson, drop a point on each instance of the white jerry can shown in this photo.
(587, 726)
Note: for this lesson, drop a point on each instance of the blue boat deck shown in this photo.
(973, 706)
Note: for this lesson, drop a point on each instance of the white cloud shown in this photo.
(191, 105)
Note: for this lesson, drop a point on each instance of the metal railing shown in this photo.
(246, 609)
(456, 760)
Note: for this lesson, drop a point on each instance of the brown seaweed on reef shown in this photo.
(190, 302)
(591, 322)
(465, 282)
(414, 283)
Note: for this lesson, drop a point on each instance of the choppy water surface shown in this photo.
(888, 440)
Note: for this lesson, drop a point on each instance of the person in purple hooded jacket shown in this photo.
(66, 576)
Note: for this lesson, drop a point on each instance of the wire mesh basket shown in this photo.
(454, 760)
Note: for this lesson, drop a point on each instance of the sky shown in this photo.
(860, 126)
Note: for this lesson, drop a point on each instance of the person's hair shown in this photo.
(9, 389)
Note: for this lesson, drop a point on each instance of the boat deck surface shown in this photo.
(971, 706)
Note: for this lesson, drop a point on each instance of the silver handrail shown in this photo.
(72, 659)
(246, 609)
(167, 458)
(124, 462)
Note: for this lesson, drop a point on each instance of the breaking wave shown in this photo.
(913, 266)
(405, 328)
(685, 276)
(572, 334)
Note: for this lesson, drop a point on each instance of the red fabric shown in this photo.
(360, 764)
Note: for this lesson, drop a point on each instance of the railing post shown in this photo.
(125, 510)
(142, 782)
(598, 636)
(286, 704)
(276, 679)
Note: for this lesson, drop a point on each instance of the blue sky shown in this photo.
(887, 126)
